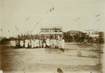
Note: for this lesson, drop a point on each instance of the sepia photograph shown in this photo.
(52, 36)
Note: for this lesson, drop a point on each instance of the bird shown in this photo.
(51, 9)
(98, 15)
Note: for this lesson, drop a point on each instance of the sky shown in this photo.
(28, 16)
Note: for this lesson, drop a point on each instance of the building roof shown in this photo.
(51, 30)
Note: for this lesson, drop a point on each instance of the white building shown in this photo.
(52, 36)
